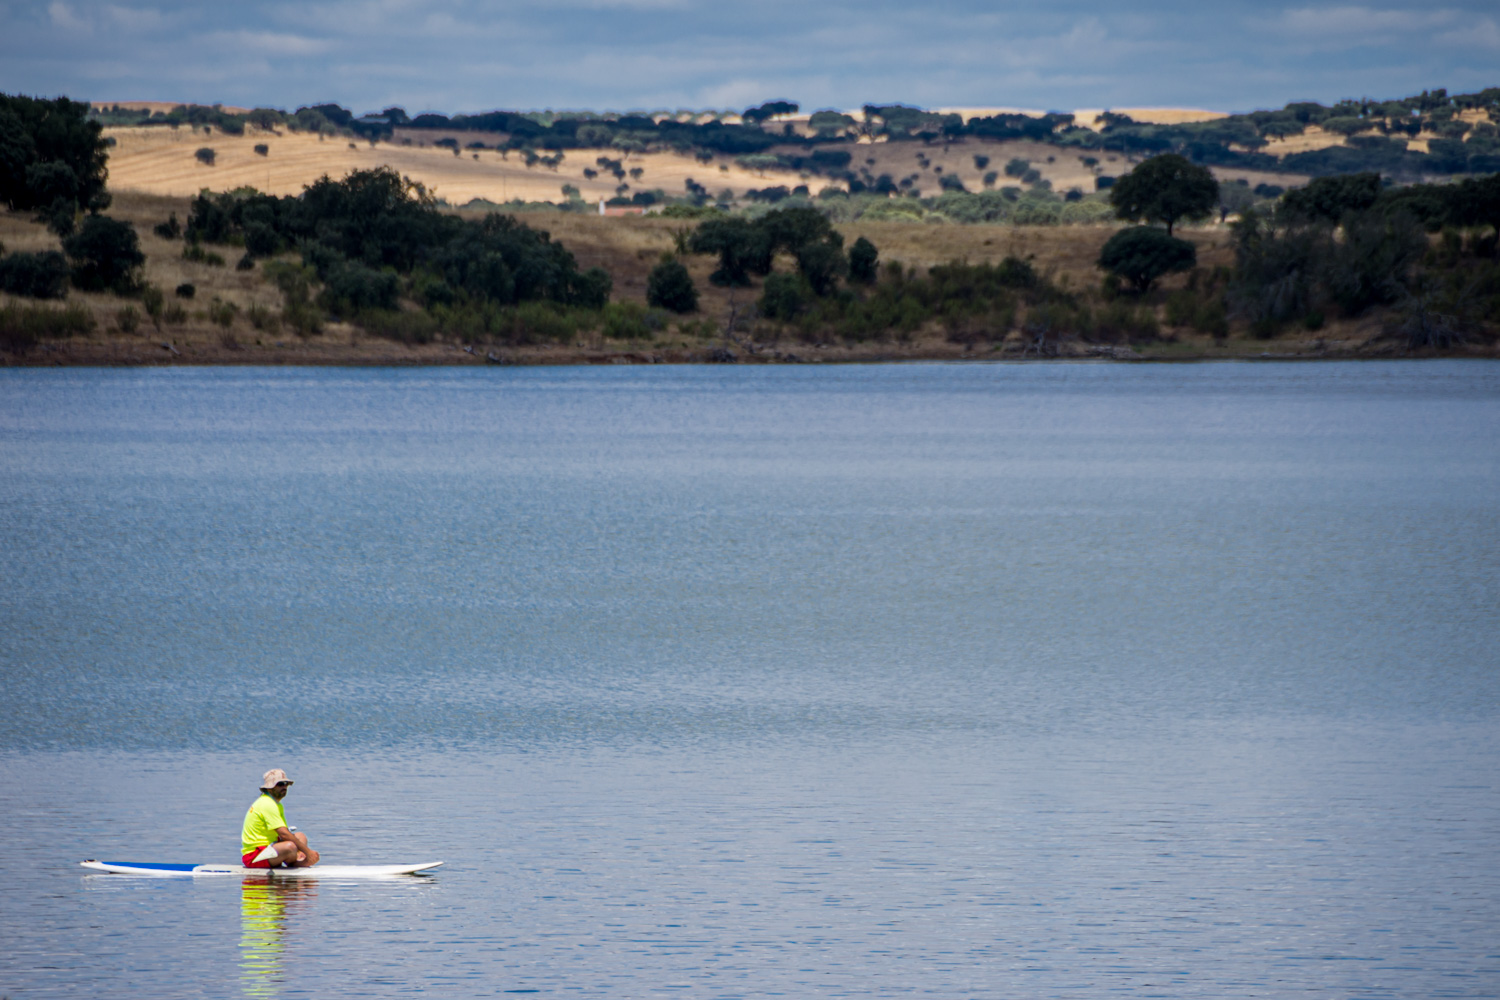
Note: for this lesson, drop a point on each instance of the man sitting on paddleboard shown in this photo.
(267, 842)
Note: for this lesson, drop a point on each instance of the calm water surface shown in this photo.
(958, 681)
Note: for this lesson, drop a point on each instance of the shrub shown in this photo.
(222, 313)
(1142, 254)
(822, 264)
(543, 322)
(1122, 321)
(407, 327)
(169, 230)
(195, 253)
(1204, 313)
(260, 240)
(205, 156)
(35, 275)
(245, 263)
(1329, 199)
(261, 149)
(128, 319)
(21, 326)
(262, 318)
(590, 290)
(154, 302)
(382, 221)
(625, 321)
(669, 286)
(784, 297)
(304, 318)
(105, 253)
(174, 314)
(1369, 266)
(186, 290)
(352, 285)
(1275, 271)
(61, 218)
(864, 261)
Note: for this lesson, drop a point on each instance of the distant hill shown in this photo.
(1428, 134)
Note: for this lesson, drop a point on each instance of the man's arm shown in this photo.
(283, 833)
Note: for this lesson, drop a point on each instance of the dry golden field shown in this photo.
(162, 161)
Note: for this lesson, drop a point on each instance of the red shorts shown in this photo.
(248, 859)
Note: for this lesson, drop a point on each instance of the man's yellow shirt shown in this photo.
(261, 821)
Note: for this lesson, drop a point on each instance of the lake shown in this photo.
(974, 680)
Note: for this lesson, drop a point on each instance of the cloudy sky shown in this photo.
(466, 55)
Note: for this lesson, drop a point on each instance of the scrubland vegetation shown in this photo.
(1164, 261)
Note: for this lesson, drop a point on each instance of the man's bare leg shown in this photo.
(294, 853)
(306, 856)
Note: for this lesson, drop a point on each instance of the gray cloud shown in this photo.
(467, 55)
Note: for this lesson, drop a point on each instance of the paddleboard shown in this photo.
(317, 871)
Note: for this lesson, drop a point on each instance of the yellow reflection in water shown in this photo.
(266, 906)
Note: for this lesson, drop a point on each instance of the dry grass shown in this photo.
(1093, 117)
(165, 269)
(160, 160)
(627, 248)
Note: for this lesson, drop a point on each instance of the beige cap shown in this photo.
(274, 777)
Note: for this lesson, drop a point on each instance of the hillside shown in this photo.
(839, 248)
(164, 162)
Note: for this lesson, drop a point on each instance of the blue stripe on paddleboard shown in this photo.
(154, 866)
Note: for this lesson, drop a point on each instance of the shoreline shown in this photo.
(159, 352)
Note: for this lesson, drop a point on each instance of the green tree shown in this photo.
(1371, 264)
(1329, 199)
(1142, 254)
(1234, 198)
(1166, 188)
(354, 286)
(741, 247)
(829, 123)
(791, 229)
(669, 286)
(1477, 203)
(770, 109)
(784, 297)
(34, 275)
(822, 264)
(42, 132)
(265, 119)
(105, 253)
(864, 261)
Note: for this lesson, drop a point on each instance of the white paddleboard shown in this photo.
(316, 871)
